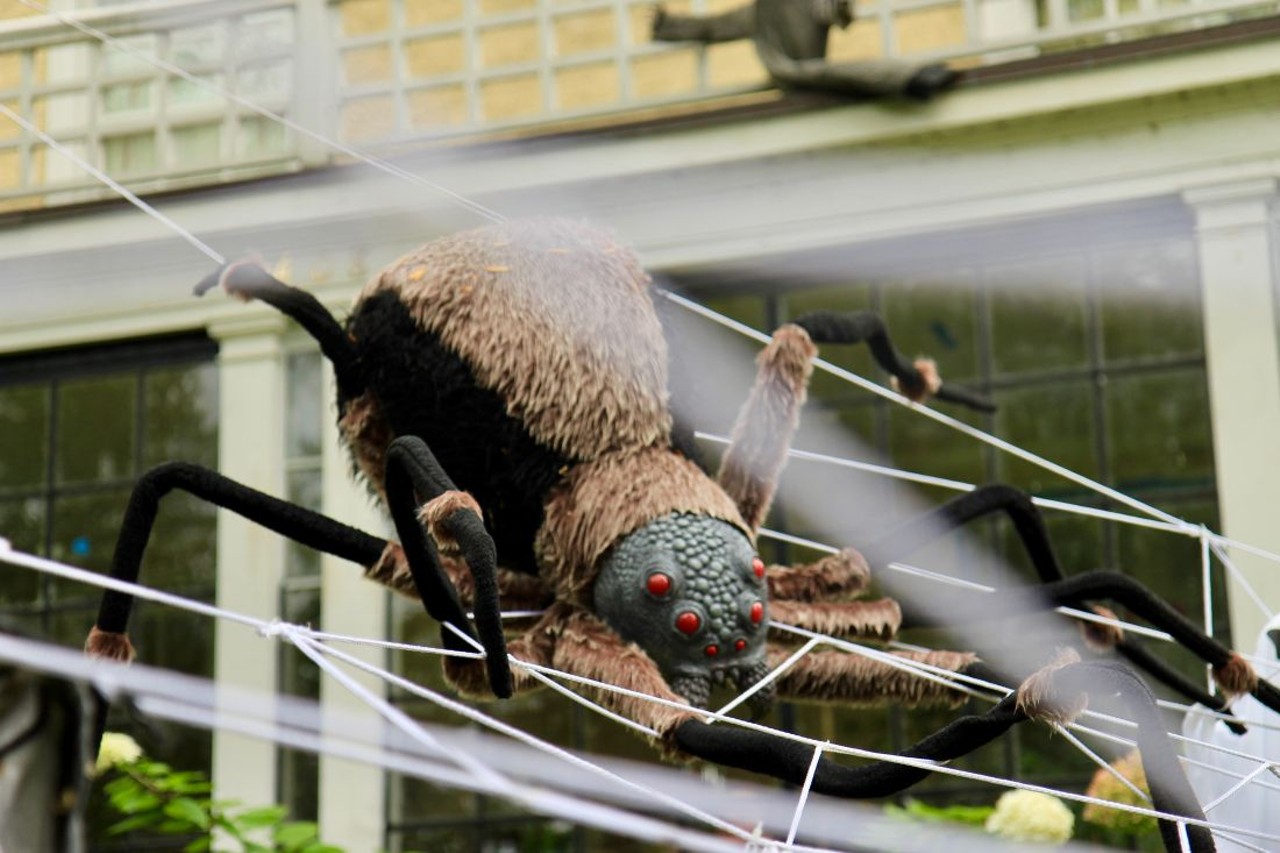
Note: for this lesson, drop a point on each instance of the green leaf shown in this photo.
(265, 816)
(190, 783)
(129, 824)
(152, 769)
(123, 783)
(139, 802)
(972, 815)
(185, 808)
(293, 835)
(200, 845)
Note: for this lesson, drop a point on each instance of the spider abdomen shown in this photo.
(418, 386)
(516, 352)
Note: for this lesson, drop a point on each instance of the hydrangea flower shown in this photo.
(1030, 816)
(1106, 787)
(116, 749)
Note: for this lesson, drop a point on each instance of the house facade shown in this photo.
(1084, 229)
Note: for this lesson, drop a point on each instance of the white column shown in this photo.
(1236, 231)
(250, 558)
(352, 795)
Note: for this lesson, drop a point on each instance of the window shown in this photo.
(77, 428)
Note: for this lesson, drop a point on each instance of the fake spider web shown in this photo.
(646, 802)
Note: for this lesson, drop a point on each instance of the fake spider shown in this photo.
(504, 392)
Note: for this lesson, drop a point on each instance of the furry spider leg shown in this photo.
(410, 469)
(918, 381)
(415, 479)
(1233, 674)
(572, 640)
(108, 637)
(1028, 523)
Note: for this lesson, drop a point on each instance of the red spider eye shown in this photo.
(712, 650)
(688, 622)
(740, 645)
(757, 566)
(658, 584)
(757, 612)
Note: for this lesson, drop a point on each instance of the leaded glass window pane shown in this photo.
(1038, 315)
(1150, 301)
(1159, 431)
(97, 429)
(24, 422)
(1054, 420)
(181, 415)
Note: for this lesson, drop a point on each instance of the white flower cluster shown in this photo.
(1030, 816)
(116, 749)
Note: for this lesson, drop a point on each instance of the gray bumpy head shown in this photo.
(690, 591)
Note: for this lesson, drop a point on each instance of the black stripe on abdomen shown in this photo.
(425, 389)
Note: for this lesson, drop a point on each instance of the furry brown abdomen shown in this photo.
(555, 318)
(516, 352)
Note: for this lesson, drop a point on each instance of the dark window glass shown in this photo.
(24, 423)
(1149, 297)
(22, 522)
(181, 415)
(95, 420)
(97, 429)
(1054, 420)
(1158, 430)
(938, 320)
(1038, 315)
(304, 406)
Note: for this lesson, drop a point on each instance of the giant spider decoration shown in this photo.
(504, 392)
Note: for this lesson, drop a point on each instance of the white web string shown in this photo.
(774, 674)
(467, 711)
(1234, 788)
(119, 188)
(804, 794)
(1183, 528)
(984, 437)
(399, 718)
(916, 571)
(289, 631)
(260, 719)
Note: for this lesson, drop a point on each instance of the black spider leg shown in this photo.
(301, 525)
(789, 760)
(248, 280)
(853, 327)
(1028, 524)
(965, 606)
(414, 477)
(1138, 655)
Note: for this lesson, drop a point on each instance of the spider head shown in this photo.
(690, 591)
